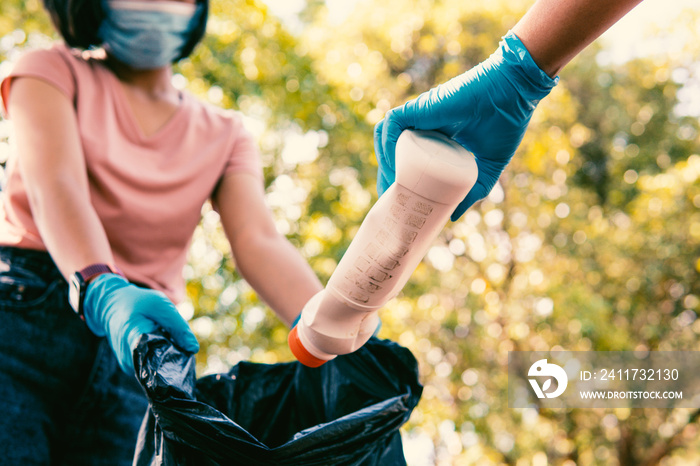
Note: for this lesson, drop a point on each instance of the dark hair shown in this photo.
(79, 20)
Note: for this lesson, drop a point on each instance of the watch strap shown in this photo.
(92, 271)
(84, 276)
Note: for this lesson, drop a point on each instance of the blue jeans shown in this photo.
(63, 398)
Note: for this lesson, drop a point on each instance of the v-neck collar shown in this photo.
(129, 121)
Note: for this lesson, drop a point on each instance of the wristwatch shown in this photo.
(80, 280)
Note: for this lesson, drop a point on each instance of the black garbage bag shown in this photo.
(346, 412)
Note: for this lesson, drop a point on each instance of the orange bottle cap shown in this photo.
(301, 353)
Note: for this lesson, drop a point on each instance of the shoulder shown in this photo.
(230, 132)
(56, 53)
(57, 64)
(57, 61)
(202, 107)
(216, 118)
(53, 57)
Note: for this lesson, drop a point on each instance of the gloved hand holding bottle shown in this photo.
(122, 312)
(433, 174)
(486, 110)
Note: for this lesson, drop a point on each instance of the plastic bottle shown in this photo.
(433, 175)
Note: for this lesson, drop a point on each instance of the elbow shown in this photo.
(254, 242)
(61, 196)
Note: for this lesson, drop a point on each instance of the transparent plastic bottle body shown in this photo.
(433, 175)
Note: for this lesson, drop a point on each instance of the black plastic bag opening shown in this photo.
(346, 412)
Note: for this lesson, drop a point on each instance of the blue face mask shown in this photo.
(148, 34)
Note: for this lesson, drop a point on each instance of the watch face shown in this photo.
(74, 293)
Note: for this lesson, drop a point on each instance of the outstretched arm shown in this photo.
(488, 108)
(264, 257)
(52, 165)
(53, 168)
(555, 31)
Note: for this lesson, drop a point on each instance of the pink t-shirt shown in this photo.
(147, 191)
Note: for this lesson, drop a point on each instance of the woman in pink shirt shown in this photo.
(111, 170)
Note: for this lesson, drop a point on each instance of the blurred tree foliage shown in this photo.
(591, 241)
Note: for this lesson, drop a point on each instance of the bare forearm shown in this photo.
(69, 227)
(53, 170)
(265, 258)
(555, 31)
(278, 273)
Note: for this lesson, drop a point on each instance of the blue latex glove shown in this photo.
(115, 308)
(486, 110)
